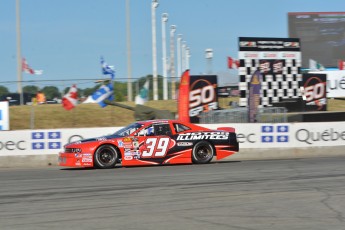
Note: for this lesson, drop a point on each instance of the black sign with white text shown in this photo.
(314, 92)
(202, 95)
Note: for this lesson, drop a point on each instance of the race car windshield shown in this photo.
(128, 129)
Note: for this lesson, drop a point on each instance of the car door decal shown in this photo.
(155, 147)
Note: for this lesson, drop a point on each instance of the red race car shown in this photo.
(156, 142)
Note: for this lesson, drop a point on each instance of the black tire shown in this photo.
(202, 153)
(106, 157)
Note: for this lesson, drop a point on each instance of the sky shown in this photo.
(66, 38)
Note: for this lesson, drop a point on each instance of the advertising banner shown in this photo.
(183, 98)
(203, 95)
(314, 92)
(279, 61)
(4, 116)
(269, 44)
(249, 135)
(269, 66)
(41, 142)
(335, 82)
(288, 135)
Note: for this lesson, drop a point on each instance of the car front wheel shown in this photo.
(202, 153)
(106, 157)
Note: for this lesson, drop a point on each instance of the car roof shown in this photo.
(191, 125)
(154, 121)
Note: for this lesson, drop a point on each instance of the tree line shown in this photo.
(120, 89)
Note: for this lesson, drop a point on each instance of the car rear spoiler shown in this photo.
(228, 129)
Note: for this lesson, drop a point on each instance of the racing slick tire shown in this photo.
(202, 152)
(106, 157)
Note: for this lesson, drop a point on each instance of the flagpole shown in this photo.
(187, 57)
(179, 40)
(129, 67)
(19, 58)
(172, 61)
(183, 57)
(154, 5)
(164, 54)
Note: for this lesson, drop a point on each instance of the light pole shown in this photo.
(209, 56)
(19, 56)
(179, 69)
(129, 68)
(154, 5)
(184, 56)
(187, 57)
(165, 74)
(172, 58)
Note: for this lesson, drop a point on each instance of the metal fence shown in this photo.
(240, 115)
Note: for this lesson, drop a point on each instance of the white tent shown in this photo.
(89, 100)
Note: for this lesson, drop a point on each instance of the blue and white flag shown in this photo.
(106, 69)
(104, 92)
(143, 94)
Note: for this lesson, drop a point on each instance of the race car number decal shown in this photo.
(155, 147)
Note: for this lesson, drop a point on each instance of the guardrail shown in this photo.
(257, 141)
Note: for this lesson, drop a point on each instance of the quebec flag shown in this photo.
(106, 69)
(282, 128)
(104, 92)
(267, 128)
(266, 139)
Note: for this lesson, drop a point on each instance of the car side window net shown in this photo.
(162, 129)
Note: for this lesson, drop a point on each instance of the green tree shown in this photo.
(51, 92)
(120, 90)
(3, 90)
(30, 89)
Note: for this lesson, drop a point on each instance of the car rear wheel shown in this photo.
(202, 153)
(106, 157)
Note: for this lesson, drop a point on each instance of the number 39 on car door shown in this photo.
(155, 147)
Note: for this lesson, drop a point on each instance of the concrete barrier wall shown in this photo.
(28, 148)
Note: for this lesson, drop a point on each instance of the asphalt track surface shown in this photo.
(246, 195)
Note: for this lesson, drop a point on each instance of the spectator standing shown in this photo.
(41, 98)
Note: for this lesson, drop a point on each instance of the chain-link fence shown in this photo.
(240, 115)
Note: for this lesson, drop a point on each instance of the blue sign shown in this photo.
(46, 140)
(267, 128)
(267, 139)
(54, 135)
(277, 134)
(54, 145)
(282, 128)
(283, 138)
(38, 145)
(37, 135)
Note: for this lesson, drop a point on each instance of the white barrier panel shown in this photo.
(250, 136)
(288, 135)
(4, 116)
(45, 141)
